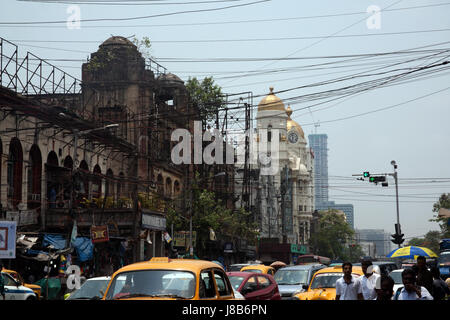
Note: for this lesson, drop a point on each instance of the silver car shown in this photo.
(291, 280)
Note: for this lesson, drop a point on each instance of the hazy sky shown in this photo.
(415, 134)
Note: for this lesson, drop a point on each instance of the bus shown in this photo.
(310, 258)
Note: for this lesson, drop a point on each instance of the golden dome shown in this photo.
(271, 102)
(292, 124)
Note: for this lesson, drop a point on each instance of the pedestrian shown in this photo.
(368, 280)
(424, 276)
(412, 291)
(2, 282)
(440, 288)
(384, 288)
(348, 287)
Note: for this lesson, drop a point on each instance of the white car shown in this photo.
(15, 291)
(93, 288)
(396, 275)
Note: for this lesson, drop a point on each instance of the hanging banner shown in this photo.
(8, 239)
(99, 234)
(167, 237)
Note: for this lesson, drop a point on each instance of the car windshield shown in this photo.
(236, 281)
(444, 258)
(152, 283)
(326, 280)
(397, 277)
(252, 270)
(90, 289)
(291, 277)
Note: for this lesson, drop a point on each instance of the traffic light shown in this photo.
(377, 179)
(366, 174)
(397, 238)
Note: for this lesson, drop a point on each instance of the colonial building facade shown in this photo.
(283, 193)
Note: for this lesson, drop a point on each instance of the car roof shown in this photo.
(243, 274)
(338, 269)
(303, 267)
(174, 264)
(398, 270)
(257, 266)
(99, 278)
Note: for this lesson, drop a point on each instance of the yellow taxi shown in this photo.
(259, 268)
(170, 279)
(323, 283)
(36, 289)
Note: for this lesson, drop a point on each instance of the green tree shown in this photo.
(443, 202)
(206, 96)
(208, 212)
(417, 242)
(334, 236)
(144, 46)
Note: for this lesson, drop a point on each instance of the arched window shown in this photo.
(176, 187)
(14, 177)
(84, 169)
(269, 133)
(53, 185)
(109, 183)
(168, 187)
(34, 178)
(97, 182)
(121, 186)
(160, 184)
(68, 162)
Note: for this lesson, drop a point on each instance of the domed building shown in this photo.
(285, 194)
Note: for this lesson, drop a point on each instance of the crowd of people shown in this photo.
(419, 283)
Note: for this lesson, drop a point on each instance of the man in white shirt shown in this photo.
(411, 291)
(348, 287)
(368, 280)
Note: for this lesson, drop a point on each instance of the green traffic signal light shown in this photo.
(372, 179)
(366, 174)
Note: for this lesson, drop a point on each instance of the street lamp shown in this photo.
(191, 249)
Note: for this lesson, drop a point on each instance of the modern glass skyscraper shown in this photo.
(318, 143)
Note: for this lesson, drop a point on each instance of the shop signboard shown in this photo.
(99, 234)
(181, 238)
(153, 221)
(8, 239)
(297, 248)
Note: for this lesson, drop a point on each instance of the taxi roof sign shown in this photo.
(160, 259)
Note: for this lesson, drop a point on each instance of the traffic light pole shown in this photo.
(398, 236)
(396, 194)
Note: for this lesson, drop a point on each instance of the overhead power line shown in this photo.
(344, 14)
(135, 18)
(250, 39)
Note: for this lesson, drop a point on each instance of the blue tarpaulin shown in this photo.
(56, 240)
(84, 248)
